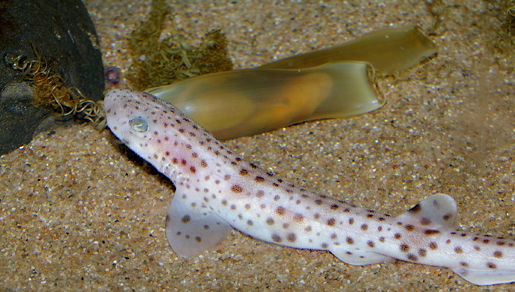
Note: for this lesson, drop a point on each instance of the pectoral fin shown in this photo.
(191, 227)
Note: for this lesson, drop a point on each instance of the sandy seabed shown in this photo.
(78, 213)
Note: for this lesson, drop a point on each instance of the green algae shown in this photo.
(158, 61)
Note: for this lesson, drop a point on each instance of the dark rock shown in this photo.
(63, 33)
(18, 118)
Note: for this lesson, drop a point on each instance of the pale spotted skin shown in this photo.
(216, 190)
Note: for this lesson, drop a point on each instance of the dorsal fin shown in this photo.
(437, 211)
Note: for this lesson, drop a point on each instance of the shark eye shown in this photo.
(139, 124)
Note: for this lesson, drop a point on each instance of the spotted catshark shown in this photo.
(217, 190)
